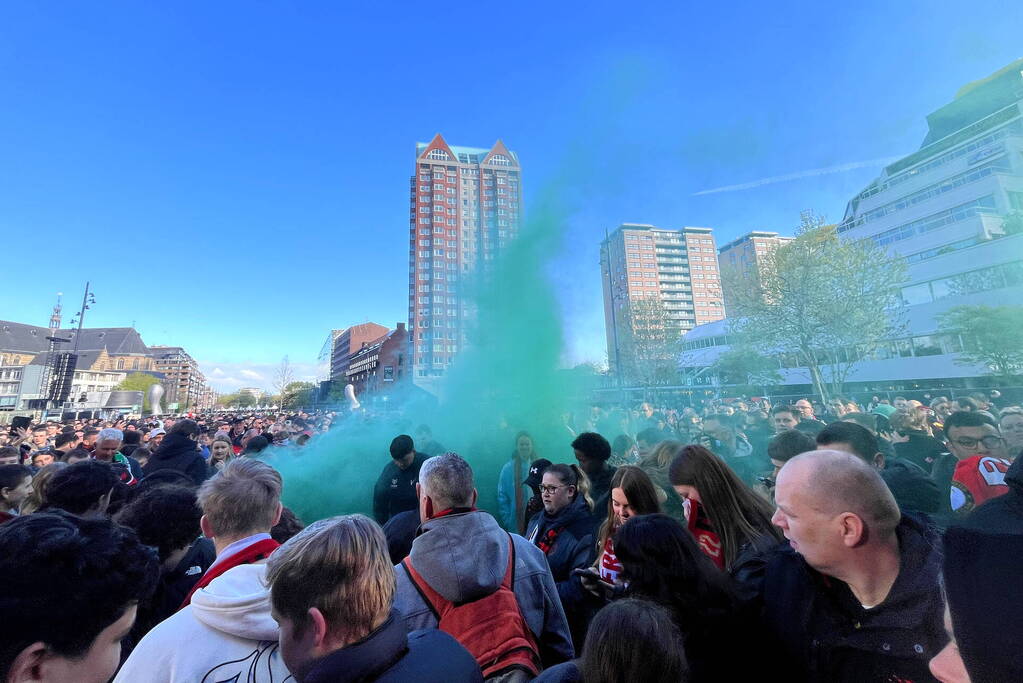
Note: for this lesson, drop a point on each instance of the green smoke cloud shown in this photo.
(507, 380)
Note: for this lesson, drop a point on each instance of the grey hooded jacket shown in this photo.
(463, 557)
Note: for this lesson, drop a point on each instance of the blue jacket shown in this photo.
(392, 654)
(506, 494)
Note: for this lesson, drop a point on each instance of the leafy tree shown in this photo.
(992, 336)
(297, 394)
(244, 400)
(815, 298)
(226, 399)
(138, 381)
(236, 400)
(650, 344)
(746, 366)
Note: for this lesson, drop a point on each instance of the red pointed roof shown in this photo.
(499, 148)
(438, 142)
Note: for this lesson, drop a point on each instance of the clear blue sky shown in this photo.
(233, 176)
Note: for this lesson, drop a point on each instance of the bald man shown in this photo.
(854, 595)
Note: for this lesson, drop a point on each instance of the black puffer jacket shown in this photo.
(178, 452)
(820, 632)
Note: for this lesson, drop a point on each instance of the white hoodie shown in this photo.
(225, 634)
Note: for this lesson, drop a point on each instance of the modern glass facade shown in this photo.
(942, 208)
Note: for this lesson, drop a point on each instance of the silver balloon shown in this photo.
(353, 403)
(154, 394)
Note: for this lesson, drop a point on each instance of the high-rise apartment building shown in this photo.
(746, 254)
(677, 267)
(184, 382)
(466, 206)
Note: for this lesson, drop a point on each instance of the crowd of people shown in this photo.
(852, 541)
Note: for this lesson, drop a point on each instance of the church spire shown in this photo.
(55, 316)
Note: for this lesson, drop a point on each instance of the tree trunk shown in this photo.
(818, 382)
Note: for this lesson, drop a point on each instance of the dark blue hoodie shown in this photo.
(392, 654)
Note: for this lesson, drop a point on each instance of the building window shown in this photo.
(438, 155)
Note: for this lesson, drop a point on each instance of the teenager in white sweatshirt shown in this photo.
(226, 632)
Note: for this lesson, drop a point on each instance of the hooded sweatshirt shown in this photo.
(226, 633)
(178, 452)
(463, 556)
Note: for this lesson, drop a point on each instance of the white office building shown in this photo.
(942, 208)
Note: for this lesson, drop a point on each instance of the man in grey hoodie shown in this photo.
(462, 553)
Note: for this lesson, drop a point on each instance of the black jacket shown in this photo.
(1004, 514)
(600, 491)
(921, 449)
(981, 581)
(822, 633)
(395, 490)
(400, 531)
(913, 490)
(171, 590)
(178, 452)
(574, 545)
(391, 654)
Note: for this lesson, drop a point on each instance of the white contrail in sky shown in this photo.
(799, 174)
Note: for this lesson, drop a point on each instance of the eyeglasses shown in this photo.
(546, 488)
(970, 442)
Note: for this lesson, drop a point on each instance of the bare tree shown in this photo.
(284, 376)
(650, 344)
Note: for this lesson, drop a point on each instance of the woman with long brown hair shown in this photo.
(729, 521)
(632, 493)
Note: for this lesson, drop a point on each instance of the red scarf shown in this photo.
(260, 550)
(700, 527)
(546, 542)
(610, 565)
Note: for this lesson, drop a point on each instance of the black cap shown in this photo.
(536, 470)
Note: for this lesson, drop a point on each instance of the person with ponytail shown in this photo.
(729, 521)
(563, 530)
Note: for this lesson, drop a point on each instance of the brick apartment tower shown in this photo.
(746, 254)
(465, 207)
(680, 267)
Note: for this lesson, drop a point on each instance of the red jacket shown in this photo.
(977, 480)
